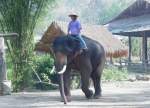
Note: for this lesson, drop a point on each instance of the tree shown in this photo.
(92, 11)
(21, 16)
(102, 11)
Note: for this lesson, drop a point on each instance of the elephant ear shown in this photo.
(58, 44)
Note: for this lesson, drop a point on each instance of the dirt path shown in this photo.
(115, 95)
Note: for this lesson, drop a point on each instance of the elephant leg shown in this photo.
(97, 84)
(85, 86)
(96, 77)
(85, 77)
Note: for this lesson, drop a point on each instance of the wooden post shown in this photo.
(5, 88)
(144, 50)
(144, 53)
(2, 61)
(111, 60)
(130, 49)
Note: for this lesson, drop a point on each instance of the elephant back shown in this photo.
(66, 44)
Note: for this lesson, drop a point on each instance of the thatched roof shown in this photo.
(113, 46)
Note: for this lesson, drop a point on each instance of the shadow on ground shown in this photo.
(121, 95)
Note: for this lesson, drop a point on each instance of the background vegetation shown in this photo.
(30, 18)
(21, 16)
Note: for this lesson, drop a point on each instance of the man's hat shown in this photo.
(73, 14)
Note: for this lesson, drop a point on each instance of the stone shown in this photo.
(5, 87)
(142, 77)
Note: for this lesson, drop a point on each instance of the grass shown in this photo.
(114, 74)
(109, 74)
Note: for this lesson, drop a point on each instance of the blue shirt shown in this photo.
(74, 27)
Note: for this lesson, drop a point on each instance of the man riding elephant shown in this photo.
(74, 30)
(69, 54)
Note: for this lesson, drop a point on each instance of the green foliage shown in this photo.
(102, 11)
(91, 11)
(136, 46)
(9, 66)
(75, 82)
(43, 65)
(46, 17)
(114, 74)
(21, 16)
(109, 74)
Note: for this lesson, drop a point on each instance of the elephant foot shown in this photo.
(89, 95)
(68, 99)
(97, 96)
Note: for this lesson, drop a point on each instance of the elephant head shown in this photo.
(63, 47)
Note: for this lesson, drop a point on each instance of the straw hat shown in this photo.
(73, 14)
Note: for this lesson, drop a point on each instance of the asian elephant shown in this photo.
(89, 63)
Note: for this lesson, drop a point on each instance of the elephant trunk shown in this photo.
(62, 89)
(62, 92)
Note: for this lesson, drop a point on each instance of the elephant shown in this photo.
(90, 64)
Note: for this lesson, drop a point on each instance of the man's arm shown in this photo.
(79, 27)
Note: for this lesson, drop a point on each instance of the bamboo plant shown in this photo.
(21, 16)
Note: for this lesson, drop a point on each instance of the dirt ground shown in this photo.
(115, 95)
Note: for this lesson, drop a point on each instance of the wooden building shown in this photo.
(134, 22)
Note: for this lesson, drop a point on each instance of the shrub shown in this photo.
(114, 74)
(9, 67)
(42, 65)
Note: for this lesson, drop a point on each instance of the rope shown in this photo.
(38, 77)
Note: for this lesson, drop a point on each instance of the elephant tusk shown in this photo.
(63, 70)
(53, 69)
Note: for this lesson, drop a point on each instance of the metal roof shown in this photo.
(138, 8)
(133, 21)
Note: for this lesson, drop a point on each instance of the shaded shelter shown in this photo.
(134, 22)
